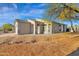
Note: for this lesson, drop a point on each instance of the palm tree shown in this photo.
(63, 11)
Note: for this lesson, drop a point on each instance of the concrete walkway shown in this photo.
(75, 53)
(7, 34)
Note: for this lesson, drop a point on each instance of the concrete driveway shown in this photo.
(75, 53)
(7, 34)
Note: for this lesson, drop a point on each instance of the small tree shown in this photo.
(0, 29)
(7, 27)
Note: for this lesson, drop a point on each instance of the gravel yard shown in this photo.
(60, 44)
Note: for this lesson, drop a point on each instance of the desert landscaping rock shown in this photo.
(18, 42)
(33, 41)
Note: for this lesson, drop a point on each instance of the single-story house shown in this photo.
(38, 26)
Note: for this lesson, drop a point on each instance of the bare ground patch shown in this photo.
(42, 45)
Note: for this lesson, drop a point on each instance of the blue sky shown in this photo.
(11, 11)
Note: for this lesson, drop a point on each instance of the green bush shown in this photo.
(1, 29)
(7, 27)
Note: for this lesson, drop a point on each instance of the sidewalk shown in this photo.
(7, 34)
(75, 53)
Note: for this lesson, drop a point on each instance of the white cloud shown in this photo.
(32, 12)
(41, 5)
(36, 11)
(4, 9)
(15, 6)
(6, 16)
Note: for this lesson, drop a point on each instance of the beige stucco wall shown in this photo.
(59, 28)
(65, 28)
(53, 27)
(76, 28)
(38, 27)
(24, 28)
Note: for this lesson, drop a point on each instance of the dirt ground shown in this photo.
(60, 44)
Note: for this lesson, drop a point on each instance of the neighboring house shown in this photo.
(38, 26)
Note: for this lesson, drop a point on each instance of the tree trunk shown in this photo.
(72, 28)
